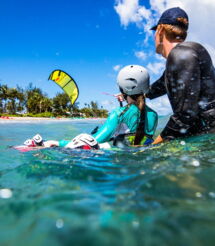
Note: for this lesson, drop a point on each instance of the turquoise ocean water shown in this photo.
(161, 196)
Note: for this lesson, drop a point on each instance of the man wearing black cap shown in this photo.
(188, 80)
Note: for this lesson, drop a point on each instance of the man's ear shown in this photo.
(161, 34)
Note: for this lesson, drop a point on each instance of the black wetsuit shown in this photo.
(189, 82)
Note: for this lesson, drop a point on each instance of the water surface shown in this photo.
(160, 196)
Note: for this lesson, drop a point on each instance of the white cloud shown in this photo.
(117, 68)
(141, 55)
(158, 5)
(201, 20)
(130, 11)
(156, 67)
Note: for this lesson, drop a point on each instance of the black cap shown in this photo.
(171, 17)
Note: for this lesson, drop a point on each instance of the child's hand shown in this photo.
(119, 97)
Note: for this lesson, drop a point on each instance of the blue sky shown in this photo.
(89, 39)
(83, 37)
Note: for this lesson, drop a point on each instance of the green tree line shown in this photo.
(32, 101)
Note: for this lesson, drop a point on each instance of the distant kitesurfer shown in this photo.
(188, 80)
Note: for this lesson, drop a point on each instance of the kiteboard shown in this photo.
(24, 148)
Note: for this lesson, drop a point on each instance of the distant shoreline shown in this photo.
(39, 119)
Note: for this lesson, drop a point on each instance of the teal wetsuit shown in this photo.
(123, 121)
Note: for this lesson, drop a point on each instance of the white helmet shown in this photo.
(133, 80)
(83, 141)
(36, 141)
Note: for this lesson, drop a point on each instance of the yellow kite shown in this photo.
(67, 83)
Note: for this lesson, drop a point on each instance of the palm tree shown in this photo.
(21, 99)
(61, 104)
(3, 96)
(34, 99)
(45, 105)
(13, 96)
(94, 105)
(75, 107)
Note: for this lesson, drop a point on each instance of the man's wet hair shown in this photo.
(174, 33)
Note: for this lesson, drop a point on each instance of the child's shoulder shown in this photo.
(151, 114)
(151, 121)
(150, 110)
(128, 107)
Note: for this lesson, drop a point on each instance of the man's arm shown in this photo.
(157, 89)
(183, 76)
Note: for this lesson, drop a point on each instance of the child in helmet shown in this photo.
(133, 124)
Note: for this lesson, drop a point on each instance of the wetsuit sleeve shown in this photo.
(63, 143)
(183, 76)
(106, 131)
(157, 89)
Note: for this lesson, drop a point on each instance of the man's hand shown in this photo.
(158, 140)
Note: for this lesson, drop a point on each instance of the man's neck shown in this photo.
(167, 47)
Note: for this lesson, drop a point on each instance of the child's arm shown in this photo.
(50, 143)
(54, 143)
(106, 131)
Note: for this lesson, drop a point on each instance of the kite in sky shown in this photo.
(67, 83)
